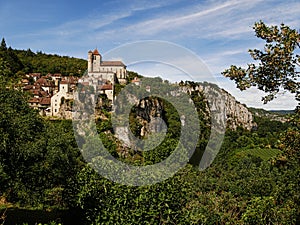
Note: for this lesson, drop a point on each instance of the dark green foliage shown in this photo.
(37, 157)
(107, 203)
(13, 62)
(46, 63)
(131, 75)
(26, 61)
(3, 46)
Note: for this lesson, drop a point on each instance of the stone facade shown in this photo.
(113, 71)
(59, 98)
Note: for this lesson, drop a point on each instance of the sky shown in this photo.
(218, 32)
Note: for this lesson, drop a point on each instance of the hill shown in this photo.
(282, 112)
(22, 62)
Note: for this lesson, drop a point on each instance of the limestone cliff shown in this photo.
(149, 113)
(237, 114)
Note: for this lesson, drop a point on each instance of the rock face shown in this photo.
(236, 114)
(65, 110)
(148, 112)
(217, 104)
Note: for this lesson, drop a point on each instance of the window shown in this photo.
(55, 110)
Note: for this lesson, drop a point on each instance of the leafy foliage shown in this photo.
(37, 157)
(278, 64)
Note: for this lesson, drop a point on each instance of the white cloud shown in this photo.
(182, 19)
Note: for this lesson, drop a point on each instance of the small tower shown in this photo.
(64, 86)
(97, 60)
(90, 61)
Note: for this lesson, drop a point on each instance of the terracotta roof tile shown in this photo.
(43, 93)
(106, 87)
(35, 92)
(95, 52)
(44, 82)
(45, 101)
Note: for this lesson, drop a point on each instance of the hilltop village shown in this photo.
(53, 95)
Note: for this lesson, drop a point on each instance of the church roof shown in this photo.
(95, 52)
(112, 63)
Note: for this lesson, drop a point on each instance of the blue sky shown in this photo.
(219, 32)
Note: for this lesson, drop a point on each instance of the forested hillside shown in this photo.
(22, 62)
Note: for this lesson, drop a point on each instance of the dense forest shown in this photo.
(21, 62)
(253, 180)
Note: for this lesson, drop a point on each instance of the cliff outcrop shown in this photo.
(149, 114)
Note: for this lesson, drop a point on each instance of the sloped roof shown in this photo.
(43, 93)
(28, 87)
(44, 82)
(64, 82)
(112, 63)
(34, 100)
(106, 87)
(95, 52)
(35, 92)
(45, 101)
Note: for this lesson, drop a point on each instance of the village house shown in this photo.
(47, 92)
(60, 97)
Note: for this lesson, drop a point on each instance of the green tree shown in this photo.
(4, 71)
(278, 64)
(3, 46)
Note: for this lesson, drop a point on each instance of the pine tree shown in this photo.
(3, 46)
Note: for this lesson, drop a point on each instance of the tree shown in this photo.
(4, 70)
(3, 46)
(278, 64)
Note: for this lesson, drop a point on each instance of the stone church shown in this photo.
(112, 71)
